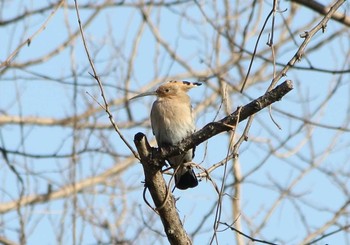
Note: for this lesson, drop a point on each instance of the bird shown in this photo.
(172, 120)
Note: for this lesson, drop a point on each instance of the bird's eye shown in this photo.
(167, 90)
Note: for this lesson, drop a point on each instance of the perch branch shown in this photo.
(227, 123)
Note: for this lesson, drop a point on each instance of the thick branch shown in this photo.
(162, 197)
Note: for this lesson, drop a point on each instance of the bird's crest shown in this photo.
(171, 89)
(175, 88)
(184, 83)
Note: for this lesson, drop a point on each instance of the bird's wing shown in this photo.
(153, 119)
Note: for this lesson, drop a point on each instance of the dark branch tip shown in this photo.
(139, 136)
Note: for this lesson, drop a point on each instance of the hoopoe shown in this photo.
(172, 121)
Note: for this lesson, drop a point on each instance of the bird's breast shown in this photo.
(171, 122)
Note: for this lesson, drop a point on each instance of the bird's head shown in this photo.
(171, 89)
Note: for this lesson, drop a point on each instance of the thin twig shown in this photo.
(329, 234)
(30, 39)
(247, 236)
(308, 35)
(146, 201)
(255, 49)
(96, 77)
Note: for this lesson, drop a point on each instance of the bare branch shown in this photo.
(67, 190)
(249, 237)
(308, 35)
(220, 126)
(30, 39)
(320, 8)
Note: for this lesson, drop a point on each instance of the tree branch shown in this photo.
(227, 123)
(66, 190)
(320, 8)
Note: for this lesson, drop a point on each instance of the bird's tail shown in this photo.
(185, 177)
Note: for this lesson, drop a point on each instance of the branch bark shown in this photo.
(162, 198)
(152, 161)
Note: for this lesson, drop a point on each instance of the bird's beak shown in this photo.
(144, 94)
